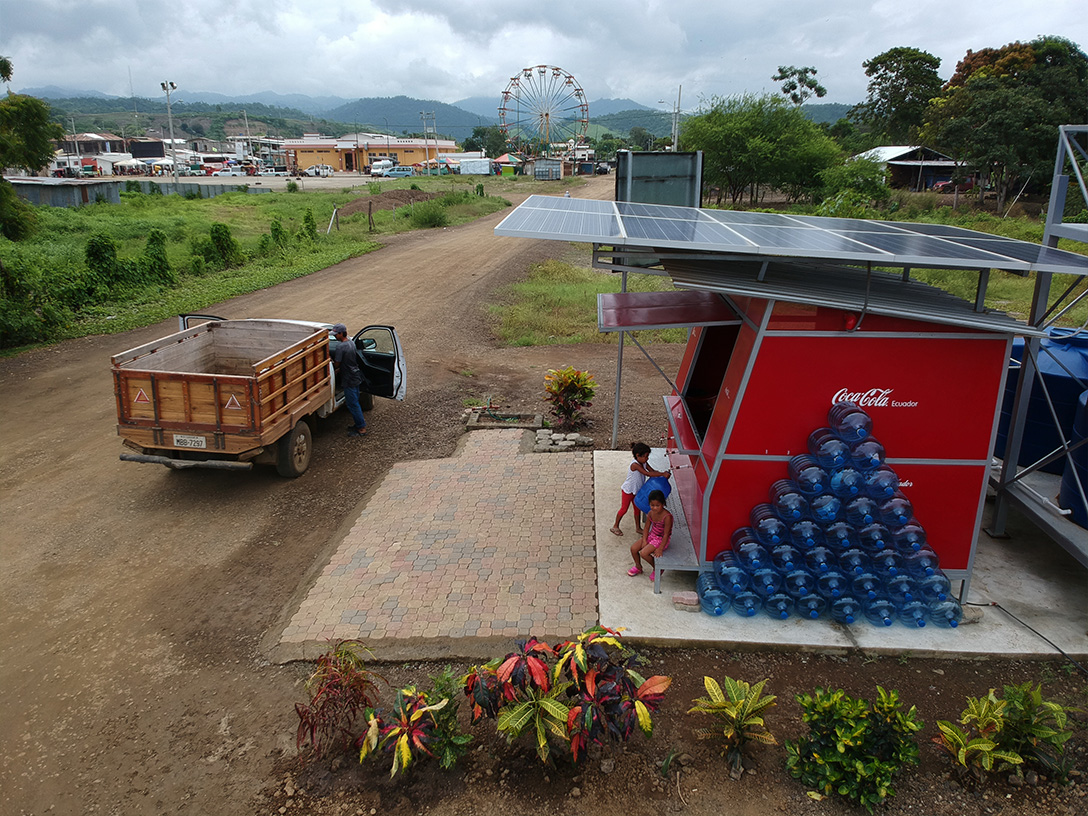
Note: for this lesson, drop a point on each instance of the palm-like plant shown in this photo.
(411, 729)
(739, 710)
(977, 752)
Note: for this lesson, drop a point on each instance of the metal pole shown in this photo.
(170, 86)
(619, 374)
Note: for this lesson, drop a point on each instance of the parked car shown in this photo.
(322, 170)
(949, 186)
(400, 171)
(231, 171)
(273, 171)
(379, 167)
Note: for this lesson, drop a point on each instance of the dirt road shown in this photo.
(133, 599)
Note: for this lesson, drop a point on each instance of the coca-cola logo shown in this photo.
(874, 397)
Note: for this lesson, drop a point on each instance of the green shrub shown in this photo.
(1035, 729)
(28, 311)
(428, 214)
(450, 743)
(309, 225)
(153, 189)
(480, 190)
(219, 249)
(853, 749)
(414, 186)
(198, 267)
(133, 186)
(17, 219)
(374, 187)
(846, 204)
(278, 234)
(154, 265)
(975, 749)
(292, 186)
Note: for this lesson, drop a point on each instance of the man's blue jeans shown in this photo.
(351, 397)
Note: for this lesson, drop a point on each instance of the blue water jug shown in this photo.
(845, 610)
(731, 576)
(909, 538)
(874, 537)
(642, 498)
(846, 482)
(711, 599)
(849, 422)
(798, 583)
(867, 585)
(786, 557)
(747, 604)
(855, 560)
(806, 534)
(778, 606)
(810, 478)
(914, 614)
(935, 587)
(766, 581)
(788, 501)
(826, 508)
(862, 511)
(896, 511)
(832, 584)
(820, 560)
(867, 455)
(841, 536)
(922, 563)
(946, 614)
(888, 563)
(740, 535)
(770, 529)
(881, 484)
(828, 450)
(880, 611)
(811, 606)
(752, 555)
(901, 590)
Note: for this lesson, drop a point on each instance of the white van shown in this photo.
(379, 167)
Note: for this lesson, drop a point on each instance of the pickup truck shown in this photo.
(229, 394)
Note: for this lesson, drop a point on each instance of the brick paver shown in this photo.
(489, 544)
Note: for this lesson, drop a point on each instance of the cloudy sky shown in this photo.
(451, 49)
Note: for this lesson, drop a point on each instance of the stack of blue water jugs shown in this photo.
(836, 538)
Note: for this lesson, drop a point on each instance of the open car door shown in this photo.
(382, 362)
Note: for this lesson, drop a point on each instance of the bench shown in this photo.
(681, 553)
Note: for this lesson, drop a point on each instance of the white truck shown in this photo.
(379, 167)
(475, 167)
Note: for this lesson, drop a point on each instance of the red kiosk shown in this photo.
(789, 314)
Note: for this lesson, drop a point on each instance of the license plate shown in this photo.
(188, 441)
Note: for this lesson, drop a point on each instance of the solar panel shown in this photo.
(781, 236)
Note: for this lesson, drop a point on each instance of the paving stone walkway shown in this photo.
(461, 555)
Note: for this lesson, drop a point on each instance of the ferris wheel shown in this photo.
(543, 110)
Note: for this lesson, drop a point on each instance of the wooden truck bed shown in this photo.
(228, 387)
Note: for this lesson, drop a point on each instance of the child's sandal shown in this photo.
(634, 571)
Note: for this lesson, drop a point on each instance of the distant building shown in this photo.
(914, 167)
(354, 151)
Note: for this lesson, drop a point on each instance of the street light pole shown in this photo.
(167, 88)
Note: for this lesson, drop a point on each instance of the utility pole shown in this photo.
(167, 88)
(427, 143)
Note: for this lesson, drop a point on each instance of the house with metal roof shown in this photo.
(912, 166)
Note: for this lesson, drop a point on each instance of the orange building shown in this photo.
(356, 151)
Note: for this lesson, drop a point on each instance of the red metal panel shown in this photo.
(689, 480)
(945, 498)
(684, 373)
(930, 398)
(799, 317)
(634, 310)
(739, 487)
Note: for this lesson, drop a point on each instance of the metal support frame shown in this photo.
(1009, 484)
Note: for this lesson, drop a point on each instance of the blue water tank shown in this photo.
(1070, 348)
(1069, 497)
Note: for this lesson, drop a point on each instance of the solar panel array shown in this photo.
(777, 235)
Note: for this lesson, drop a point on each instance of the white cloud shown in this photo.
(450, 49)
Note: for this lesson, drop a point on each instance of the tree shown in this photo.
(26, 131)
(1000, 112)
(799, 83)
(5, 69)
(751, 143)
(489, 139)
(902, 81)
(640, 137)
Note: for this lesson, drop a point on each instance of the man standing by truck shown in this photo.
(345, 361)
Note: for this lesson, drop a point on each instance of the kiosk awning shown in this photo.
(628, 311)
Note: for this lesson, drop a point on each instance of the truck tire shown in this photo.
(366, 401)
(294, 451)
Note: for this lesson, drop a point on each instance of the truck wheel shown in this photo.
(294, 451)
(366, 401)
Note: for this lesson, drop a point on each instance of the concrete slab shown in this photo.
(1027, 574)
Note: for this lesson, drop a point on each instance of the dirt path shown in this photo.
(133, 599)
